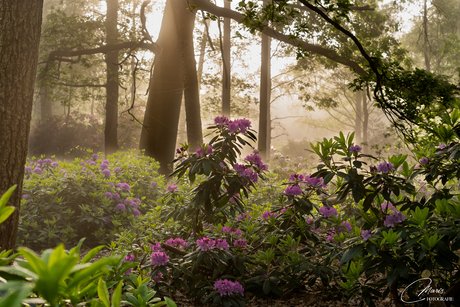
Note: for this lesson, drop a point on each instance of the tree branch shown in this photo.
(209, 7)
(79, 85)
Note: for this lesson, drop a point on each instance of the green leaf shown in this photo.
(16, 297)
(116, 296)
(5, 197)
(5, 213)
(170, 302)
(351, 253)
(266, 286)
(103, 293)
(91, 254)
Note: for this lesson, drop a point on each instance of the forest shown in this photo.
(229, 153)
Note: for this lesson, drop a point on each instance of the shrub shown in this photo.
(95, 198)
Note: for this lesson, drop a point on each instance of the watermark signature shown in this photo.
(424, 294)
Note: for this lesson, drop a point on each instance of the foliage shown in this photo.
(66, 136)
(60, 277)
(64, 202)
(5, 211)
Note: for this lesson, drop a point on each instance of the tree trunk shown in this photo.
(358, 116)
(265, 90)
(185, 23)
(365, 124)
(159, 132)
(425, 38)
(45, 105)
(226, 70)
(204, 40)
(20, 26)
(111, 107)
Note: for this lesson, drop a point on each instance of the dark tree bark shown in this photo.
(185, 23)
(20, 26)
(358, 115)
(111, 106)
(159, 132)
(226, 70)
(265, 89)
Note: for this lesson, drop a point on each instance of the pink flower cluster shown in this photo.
(222, 244)
(355, 148)
(243, 217)
(312, 222)
(156, 247)
(203, 151)
(206, 243)
(328, 211)
(293, 190)
(366, 234)
(129, 258)
(266, 215)
(345, 224)
(234, 126)
(159, 258)
(256, 160)
(231, 230)
(123, 186)
(394, 217)
(177, 242)
(227, 287)
(385, 167)
(246, 172)
(171, 187)
(240, 243)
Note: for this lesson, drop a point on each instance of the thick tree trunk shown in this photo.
(358, 116)
(111, 107)
(159, 132)
(185, 23)
(265, 90)
(226, 70)
(365, 124)
(20, 26)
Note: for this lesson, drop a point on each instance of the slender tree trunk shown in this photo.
(20, 26)
(45, 105)
(203, 42)
(111, 107)
(358, 123)
(185, 23)
(365, 123)
(265, 90)
(182, 132)
(159, 132)
(226, 70)
(425, 37)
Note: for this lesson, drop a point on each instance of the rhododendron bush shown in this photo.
(223, 226)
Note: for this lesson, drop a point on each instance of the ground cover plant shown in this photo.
(224, 226)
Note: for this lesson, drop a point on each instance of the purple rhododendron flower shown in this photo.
(385, 167)
(206, 243)
(240, 243)
(330, 236)
(396, 217)
(106, 173)
(54, 164)
(154, 184)
(178, 242)
(156, 247)
(27, 169)
(116, 196)
(373, 169)
(355, 148)
(442, 146)
(121, 207)
(94, 156)
(39, 161)
(117, 170)
(315, 182)
(47, 161)
(104, 166)
(345, 224)
(159, 258)
(227, 287)
(171, 188)
(388, 207)
(222, 244)
(26, 197)
(106, 162)
(108, 195)
(199, 152)
(293, 190)
(157, 278)
(328, 211)
(239, 168)
(220, 121)
(243, 217)
(82, 163)
(62, 171)
(266, 215)
(366, 234)
(123, 186)
(136, 212)
(93, 163)
(37, 170)
(208, 150)
(424, 161)
(295, 178)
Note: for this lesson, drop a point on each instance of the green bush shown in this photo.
(64, 202)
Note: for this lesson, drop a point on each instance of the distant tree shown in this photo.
(20, 27)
